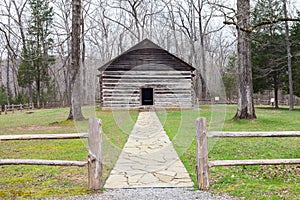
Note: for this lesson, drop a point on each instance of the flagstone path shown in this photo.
(148, 159)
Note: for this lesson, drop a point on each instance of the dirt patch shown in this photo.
(33, 128)
(73, 175)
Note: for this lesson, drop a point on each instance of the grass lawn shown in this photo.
(42, 181)
(250, 182)
(255, 182)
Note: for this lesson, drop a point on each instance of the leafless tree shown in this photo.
(193, 19)
(289, 58)
(62, 28)
(11, 36)
(75, 82)
(245, 108)
(135, 16)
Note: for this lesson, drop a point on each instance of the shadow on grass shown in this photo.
(61, 123)
(67, 122)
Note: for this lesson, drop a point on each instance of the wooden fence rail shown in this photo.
(14, 107)
(42, 162)
(255, 134)
(253, 162)
(43, 136)
(203, 164)
(94, 158)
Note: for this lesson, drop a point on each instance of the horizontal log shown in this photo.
(42, 162)
(128, 68)
(173, 91)
(255, 134)
(163, 90)
(148, 81)
(154, 83)
(138, 107)
(116, 97)
(171, 97)
(132, 72)
(144, 77)
(119, 96)
(147, 74)
(173, 102)
(121, 104)
(253, 162)
(43, 136)
(122, 91)
(173, 105)
(173, 94)
(124, 87)
(156, 100)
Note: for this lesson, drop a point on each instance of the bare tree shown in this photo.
(10, 51)
(12, 28)
(75, 82)
(135, 16)
(63, 47)
(245, 108)
(193, 19)
(289, 57)
(203, 29)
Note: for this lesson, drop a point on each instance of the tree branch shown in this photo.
(8, 42)
(262, 23)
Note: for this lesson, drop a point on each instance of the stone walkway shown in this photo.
(148, 159)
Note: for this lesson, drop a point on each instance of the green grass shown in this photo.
(45, 181)
(250, 182)
(253, 182)
(268, 119)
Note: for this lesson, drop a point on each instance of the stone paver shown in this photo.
(148, 159)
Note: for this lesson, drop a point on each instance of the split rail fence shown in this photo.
(94, 158)
(15, 107)
(203, 164)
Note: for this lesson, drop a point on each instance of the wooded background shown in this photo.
(35, 44)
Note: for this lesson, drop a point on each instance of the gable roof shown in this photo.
(145, 44)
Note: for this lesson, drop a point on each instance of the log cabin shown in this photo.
(146, 76)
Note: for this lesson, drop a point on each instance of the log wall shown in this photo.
(171, 79)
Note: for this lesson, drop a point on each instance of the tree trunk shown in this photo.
(30, 94)
(276, 90)
(75, 108)
(8, 78)
(38, 93)
(84, 82)
(203, 65)
(289, 55)
(15, 82)
(245, 108)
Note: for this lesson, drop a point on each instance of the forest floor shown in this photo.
(251, 182)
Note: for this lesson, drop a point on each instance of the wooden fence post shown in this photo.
(13, 108)
(5, 109)
(95, 154)
(202, 154)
